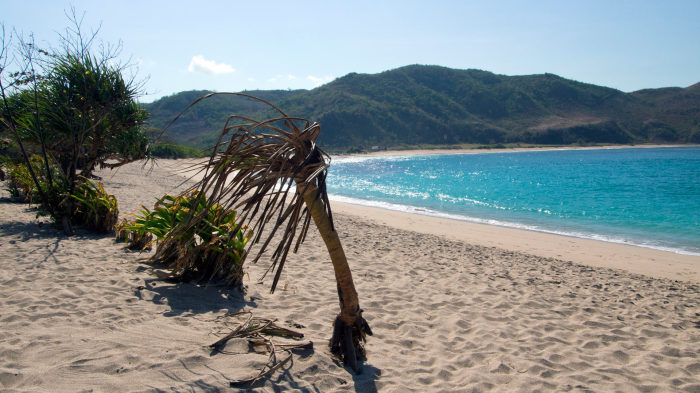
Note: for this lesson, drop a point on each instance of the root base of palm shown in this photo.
(347, 343)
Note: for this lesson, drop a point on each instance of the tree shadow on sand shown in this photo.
(187, 298)
(364, 382)
(27, 230)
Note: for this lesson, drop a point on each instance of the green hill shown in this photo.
(200, 126)
(418, 105)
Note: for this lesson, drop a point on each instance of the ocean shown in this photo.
(647, 197)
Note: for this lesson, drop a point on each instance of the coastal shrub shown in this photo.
(172, 150)
(94, 208)
(211, 249)
(73, 105)
(134, 240)
(20, 184)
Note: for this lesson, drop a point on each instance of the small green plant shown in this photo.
(134, 240)
(211, 249)
(94, 208)
(20, 184)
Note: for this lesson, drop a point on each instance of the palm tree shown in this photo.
(273, 174)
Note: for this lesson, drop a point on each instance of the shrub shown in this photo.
(134, 240)
(20, 184)
(95, 209)
(172, 150)
(74, 106)
(210, 250)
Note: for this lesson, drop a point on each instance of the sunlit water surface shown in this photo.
(643, 196)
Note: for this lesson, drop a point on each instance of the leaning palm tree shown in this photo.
(273, 174)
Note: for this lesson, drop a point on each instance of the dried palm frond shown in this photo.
(255, 169)
(255, 330)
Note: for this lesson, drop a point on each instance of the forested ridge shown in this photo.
(433, 105)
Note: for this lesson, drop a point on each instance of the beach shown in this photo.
(423, 152)
(454, 307)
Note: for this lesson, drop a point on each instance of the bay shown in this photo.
(647, 197)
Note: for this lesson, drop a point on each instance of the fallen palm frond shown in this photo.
(255, 329)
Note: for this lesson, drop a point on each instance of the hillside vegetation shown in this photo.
(419, 105)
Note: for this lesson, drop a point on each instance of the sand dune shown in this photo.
(449, 313)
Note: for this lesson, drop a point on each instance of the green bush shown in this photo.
(173, 150)
(135, 240)
(74, 106)
(211, 250)
(94, 208)
(19, 181)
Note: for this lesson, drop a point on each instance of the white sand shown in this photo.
(454, 307)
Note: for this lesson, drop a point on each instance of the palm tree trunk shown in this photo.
(350, 327)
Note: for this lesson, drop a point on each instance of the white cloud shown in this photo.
(319, 80)
(200, 64)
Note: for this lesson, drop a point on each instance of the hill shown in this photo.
(201, 124)
(418, 104)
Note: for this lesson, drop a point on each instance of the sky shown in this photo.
(246, 45)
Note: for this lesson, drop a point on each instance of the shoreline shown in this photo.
(595, 253)
(633, 258)
(407, 209)
(423, 152)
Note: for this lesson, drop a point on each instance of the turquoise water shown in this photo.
(642, 196)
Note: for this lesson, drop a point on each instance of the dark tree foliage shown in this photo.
(73, 107)
(86, 105)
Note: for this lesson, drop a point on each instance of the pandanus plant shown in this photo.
(274, 175)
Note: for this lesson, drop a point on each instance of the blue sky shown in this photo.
(238, 45)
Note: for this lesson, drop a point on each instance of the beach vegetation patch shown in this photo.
(135, 240)
(174, 150)
(211, 250)
(19, 181)
(95, 209)
(23, 187)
